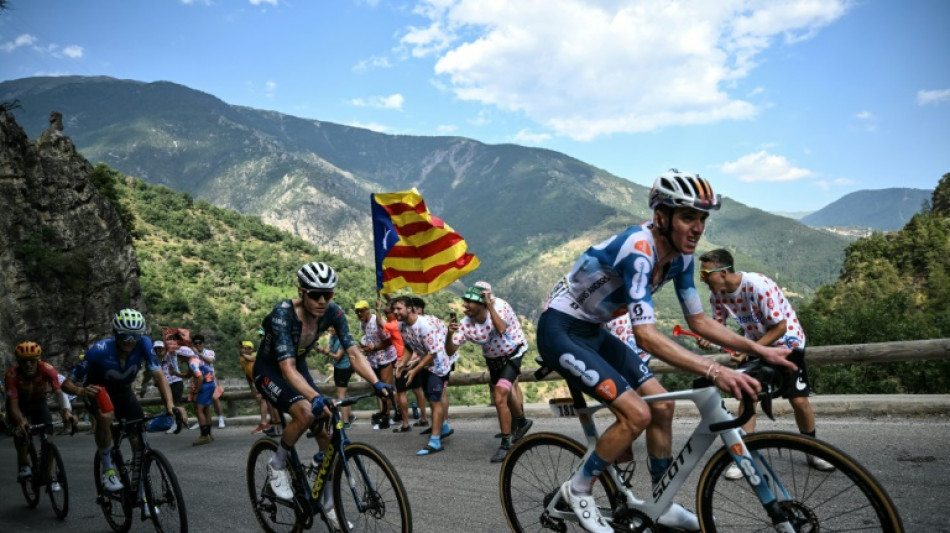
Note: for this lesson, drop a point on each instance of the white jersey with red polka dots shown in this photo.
(374, 335)
(622, 328)
(427, 336)
(757, 305)
(494, 345)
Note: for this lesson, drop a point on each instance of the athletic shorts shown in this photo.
(432, 384)
(378, 370)
(799, 386)
(588, 357)
(510, 371)
(124, 403)
(275, 389)
(205, 394)
(35, 413)
(178, 391)
(402, 385)
(341, 376)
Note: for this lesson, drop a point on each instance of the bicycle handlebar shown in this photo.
(775, 382)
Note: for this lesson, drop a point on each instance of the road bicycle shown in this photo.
(368, 494)
(148, 480)
(46, 471)
(781, 491)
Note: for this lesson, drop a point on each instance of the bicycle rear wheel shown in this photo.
(532, 475)
(163, 494)
(374, 483)
(116, 506)
(847, 498)
(57, 474)
(273, 514)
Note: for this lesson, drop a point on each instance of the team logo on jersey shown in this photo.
(579, 369)
(607, 390)
(643, 247)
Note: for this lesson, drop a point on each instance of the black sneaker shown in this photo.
(521, 429)
(500, 454)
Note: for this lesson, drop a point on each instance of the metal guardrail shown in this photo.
(882, 352)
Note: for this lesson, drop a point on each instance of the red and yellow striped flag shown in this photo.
(414, 248)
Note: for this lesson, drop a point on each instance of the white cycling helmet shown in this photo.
(128, 321)
(683, 189)
(316, 276)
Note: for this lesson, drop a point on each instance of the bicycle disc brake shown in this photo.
(801, 516)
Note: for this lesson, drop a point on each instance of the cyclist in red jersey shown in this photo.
(26, 384)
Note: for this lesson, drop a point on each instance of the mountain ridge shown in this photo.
(516, 206)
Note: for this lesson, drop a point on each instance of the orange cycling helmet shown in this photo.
(28, 350)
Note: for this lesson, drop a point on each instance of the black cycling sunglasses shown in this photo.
(316, 295)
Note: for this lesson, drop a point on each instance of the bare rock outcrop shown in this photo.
(66, 262)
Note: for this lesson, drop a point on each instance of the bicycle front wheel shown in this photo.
(532, 475)
(163, 494)
(116, 506)
(273, 514)
(58, 487)
(371, 497)
(847, 498)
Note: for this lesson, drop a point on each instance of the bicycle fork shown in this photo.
(760, 476)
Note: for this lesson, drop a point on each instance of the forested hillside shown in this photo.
(218, 272)
(893, 286)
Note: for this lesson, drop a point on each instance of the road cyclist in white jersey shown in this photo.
(620, 275)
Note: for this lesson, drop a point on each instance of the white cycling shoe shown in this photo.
(111, 482)
(679, 519)
(820, 464)
(586, 510)
(733, 473)
(280, 483)
(334, 521)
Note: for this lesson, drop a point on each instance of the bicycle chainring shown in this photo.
(632, 521)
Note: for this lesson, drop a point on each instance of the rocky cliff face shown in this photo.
(66, 263)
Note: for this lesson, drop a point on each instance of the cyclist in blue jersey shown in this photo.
(107, 375)
(617, 276)
(281, 375)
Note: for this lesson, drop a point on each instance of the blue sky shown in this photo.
(785, 105)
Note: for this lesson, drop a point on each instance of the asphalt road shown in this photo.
(457, 490)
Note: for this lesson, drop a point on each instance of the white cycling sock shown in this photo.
(106, 457)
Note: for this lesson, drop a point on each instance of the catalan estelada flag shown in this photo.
(414, 248)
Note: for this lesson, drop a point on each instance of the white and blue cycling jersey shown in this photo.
(617, 276)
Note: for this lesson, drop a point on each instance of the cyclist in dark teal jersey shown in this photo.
(281, 375)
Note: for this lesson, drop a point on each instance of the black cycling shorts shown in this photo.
(124, 402)
(510, 370)
(277, 390)
(588, 357)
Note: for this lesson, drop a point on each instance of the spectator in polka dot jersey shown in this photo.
(766, 317)
(492, 324)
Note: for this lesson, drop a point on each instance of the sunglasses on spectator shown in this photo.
(703, 274)
(316, 295)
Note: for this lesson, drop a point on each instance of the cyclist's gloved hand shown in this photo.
(318, 405)
(381, 386)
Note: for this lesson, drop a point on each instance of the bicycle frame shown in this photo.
(335, 449)
(715, 422)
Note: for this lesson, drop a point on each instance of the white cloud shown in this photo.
(394, 101)
(22, 40)
(72, 51)
(864, 115)
(764, 167)
(528, 137)
(586, 68)
(446, 129)
(373, 62)
(370, 126)
(52, 49)
(932, 97)
(270, 89)
(259, 2)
